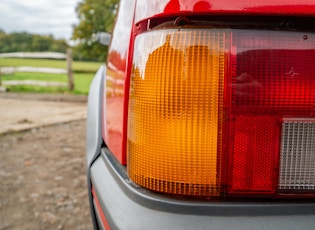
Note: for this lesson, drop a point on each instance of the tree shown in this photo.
(94, 16)
(25, 42)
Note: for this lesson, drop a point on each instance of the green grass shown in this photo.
(80, 66)
(36, 76)
(83, 73)
(77, 66)
(82, 82)
(32, 62)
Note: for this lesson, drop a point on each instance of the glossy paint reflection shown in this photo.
(146, 9)
(114, 92)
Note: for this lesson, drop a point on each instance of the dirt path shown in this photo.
(43, 183)
(42, 177)
(25, 111)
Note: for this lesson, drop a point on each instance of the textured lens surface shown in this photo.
(175, 111)
(297, 160)
(273, 76)
(274, 72)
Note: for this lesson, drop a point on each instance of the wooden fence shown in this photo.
(40, 55)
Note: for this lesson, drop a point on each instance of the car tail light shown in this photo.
(223, 112)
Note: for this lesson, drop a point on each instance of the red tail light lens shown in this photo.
(273, 77)
(210, 112)
(253, 157)
(274, 72)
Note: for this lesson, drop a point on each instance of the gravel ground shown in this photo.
(42, 178)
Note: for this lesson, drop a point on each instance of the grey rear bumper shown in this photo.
(127, 206)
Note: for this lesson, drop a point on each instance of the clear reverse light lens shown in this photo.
(297, 159)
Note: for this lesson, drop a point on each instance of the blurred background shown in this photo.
(49, 54)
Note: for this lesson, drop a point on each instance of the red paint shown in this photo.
(123, 159)
(154, 8)
(100, 211)
(116, 75)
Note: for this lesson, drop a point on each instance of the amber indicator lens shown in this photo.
(176, 110)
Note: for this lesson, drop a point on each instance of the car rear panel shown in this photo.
(208, 117)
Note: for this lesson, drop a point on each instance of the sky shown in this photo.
(43, 17)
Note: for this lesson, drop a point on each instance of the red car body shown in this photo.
(120, 200)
